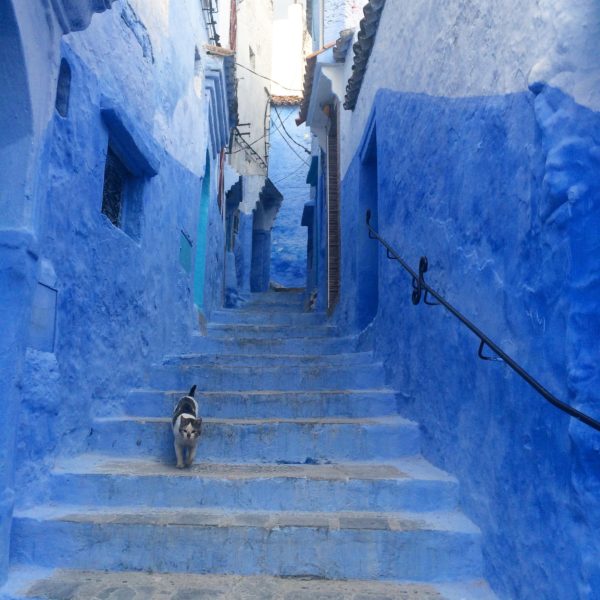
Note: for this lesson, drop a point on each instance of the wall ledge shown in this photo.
(135, 148)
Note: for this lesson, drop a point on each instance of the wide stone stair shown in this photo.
(308, 484)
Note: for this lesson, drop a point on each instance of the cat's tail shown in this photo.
(192, 391)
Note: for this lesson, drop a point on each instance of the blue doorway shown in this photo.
(200, 261)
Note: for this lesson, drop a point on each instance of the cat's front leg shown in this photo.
(191, 454)
(179, 454)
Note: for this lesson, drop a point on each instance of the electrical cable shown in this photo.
(284, 138)
(288, 133)
(261, 137)
(289, 174)
(267, 78)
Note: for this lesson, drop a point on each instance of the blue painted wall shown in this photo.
(122, 302)
(502, 195)
(288, 167)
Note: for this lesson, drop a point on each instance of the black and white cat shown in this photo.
(186, 429)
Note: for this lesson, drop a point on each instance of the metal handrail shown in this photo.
(422, 289)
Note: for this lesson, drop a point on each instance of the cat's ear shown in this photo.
(198, 423)
(192, 391)
(185, 421)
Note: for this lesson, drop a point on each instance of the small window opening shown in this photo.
(197, 62)
(252, 57)
(122, 196)
(63, 89)
(115, 176)
(197, 72)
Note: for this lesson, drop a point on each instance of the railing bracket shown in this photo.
(484, 357)
(421, 288)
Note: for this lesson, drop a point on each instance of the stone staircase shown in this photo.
(307, 483)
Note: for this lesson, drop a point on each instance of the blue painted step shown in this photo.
(407, 484)
(362, 359)
(267, 317)
(228, 343)
(303, 468)
(271, 331)
(262, 440)
(440, 546)
(225, 404)
(43, 584)
(286, 377)
(289, 300)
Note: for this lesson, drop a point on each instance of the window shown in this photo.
(197, 72)
(115, 175)
(121, 196)
(63, 89)
(131, 161)
(252, 57)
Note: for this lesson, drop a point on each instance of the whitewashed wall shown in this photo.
(462, 48)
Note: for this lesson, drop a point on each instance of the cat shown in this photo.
(186, 429)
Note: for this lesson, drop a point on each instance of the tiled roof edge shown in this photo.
(286, 100)
(342, 44)
(362, 50)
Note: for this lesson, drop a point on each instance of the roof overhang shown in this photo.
(328, 86)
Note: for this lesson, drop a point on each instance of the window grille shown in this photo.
(63, 89)
(115, 177)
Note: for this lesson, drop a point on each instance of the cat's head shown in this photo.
(189, 429)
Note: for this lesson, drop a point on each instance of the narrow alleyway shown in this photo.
(305, 476)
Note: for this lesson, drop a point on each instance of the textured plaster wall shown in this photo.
(121, 302)
(339, 15)
(464, 48)
(501, 194)
(288, 168)
(254, 31)
(487, 157)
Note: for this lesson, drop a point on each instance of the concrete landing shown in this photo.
(99, 585)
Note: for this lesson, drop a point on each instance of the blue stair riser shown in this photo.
(153, 403)
(267, 317)
(213, 378)
(265, 442)
(361, 359)
(289, 300)
(275, 494)
(226, 343)
(286, 551)
(272, 331)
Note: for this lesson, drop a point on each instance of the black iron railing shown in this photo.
(422, 290)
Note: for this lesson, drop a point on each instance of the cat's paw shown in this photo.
(180, 465)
